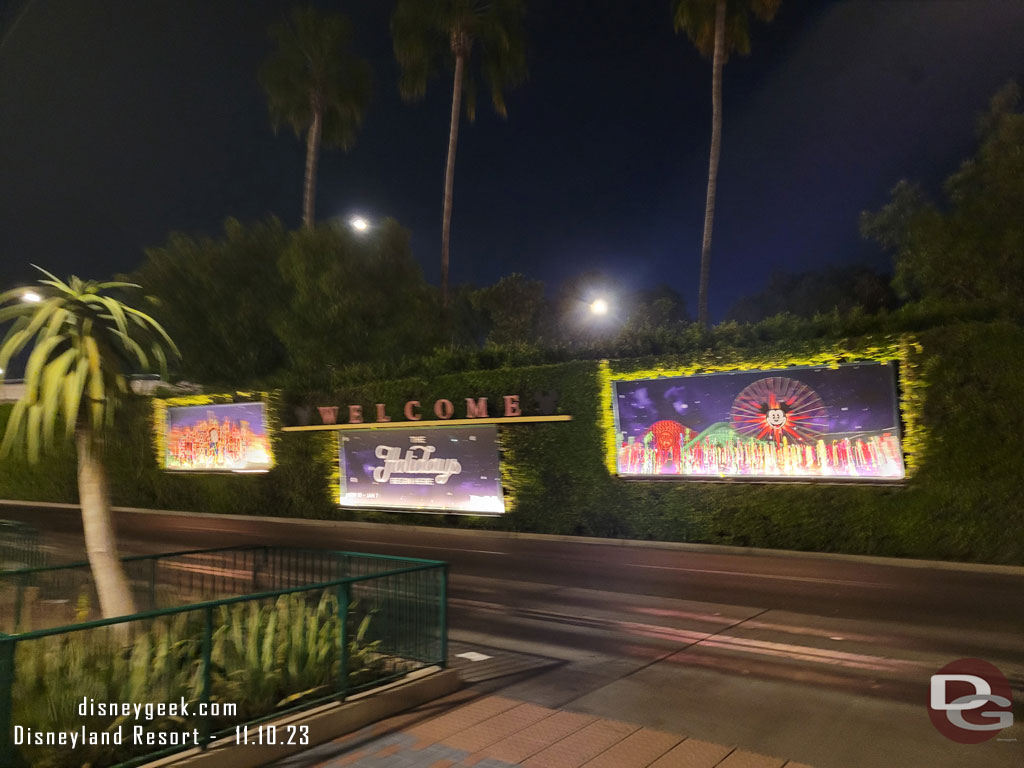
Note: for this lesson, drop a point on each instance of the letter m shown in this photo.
(476, 409)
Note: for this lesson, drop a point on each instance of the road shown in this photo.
(821, 660)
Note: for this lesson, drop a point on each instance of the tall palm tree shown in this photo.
(459, 33)
(84, 343)
(315, 84)
(717, 28)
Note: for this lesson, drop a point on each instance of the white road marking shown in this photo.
(472, 656)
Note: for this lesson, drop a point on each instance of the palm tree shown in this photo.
(315, 84)
(461, 33)
(717, 28)
(83, 344)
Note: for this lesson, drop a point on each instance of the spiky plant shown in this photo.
(84, 343)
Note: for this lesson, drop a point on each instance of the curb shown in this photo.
(710, 549)
(325, 723)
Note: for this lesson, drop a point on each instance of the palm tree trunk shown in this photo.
(449, 173)
(312, 158)
(100, 541)
(716, 148)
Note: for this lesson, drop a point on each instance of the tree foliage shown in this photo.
(697, 19)
(313, 69)
(84, 343)
(317, 85)
(216, 298)
(349, 298)
(425, 32)
(514, 308)
(816, 292)
(968, 248)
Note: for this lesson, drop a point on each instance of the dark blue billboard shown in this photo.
(443, 469)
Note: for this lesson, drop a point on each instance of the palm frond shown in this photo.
(83, 343)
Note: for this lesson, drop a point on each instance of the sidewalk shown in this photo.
(499, 732)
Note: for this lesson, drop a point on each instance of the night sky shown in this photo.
(122, 120)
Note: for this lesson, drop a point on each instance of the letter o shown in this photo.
(444, 409)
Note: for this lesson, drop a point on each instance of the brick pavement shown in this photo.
(499, 732)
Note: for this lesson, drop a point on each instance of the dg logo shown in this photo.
(970, 701)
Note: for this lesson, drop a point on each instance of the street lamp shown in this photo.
(359, 224)
(31, 297)
(599, 307)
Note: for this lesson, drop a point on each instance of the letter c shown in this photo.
(408, 410)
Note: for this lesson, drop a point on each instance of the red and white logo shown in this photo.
(970, 701)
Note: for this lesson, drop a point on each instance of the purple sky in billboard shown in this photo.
(453, 469)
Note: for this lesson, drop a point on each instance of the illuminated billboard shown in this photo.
(444, 469)
(839, 423)
(217, 438)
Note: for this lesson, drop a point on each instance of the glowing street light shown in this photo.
(31, 297)
(599, 307)
(359, 224)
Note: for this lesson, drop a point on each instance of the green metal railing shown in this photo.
(315, 626)
(19, 546)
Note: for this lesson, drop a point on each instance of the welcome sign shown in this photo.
(440, 469)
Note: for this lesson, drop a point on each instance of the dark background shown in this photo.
(122, 120)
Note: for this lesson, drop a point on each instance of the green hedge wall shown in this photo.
(963, 501)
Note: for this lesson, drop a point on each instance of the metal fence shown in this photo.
(20, 546)
(240, 636)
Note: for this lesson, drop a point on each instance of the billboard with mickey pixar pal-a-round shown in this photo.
(837, 423)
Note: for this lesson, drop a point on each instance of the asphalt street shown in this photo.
(822, 660)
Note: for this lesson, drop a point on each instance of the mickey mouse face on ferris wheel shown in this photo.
(778, 408)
